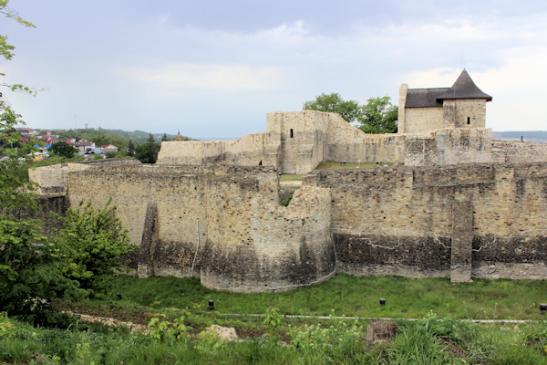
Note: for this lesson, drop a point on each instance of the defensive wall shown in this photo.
(296, 142)
(225, 225)
(480, 220)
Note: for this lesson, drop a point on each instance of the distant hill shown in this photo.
(530, 136)
(116, 137)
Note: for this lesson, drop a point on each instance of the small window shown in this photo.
(292, 133)
(468, 120)
(260, 163)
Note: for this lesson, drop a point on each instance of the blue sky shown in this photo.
(213, 69)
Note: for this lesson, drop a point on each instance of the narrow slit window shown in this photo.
(292, 133)
(468, 120)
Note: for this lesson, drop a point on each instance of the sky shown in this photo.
(213, 69)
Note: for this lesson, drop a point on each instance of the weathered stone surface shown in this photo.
(462, 239)
(225, 225)
(226, 334)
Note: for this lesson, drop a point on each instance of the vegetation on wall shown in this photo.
(378, 115)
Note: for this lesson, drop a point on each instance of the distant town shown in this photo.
(87, 143)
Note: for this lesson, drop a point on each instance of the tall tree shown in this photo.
(348, 109)
(63, 149)
(148, 152)
(378, 115)
(130, 148)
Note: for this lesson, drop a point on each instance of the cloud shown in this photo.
(517, 85)
(212, 77)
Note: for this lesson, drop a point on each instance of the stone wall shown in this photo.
(402, 221)
(260, 149)
(52, 179)
(423, 120)
(303, 137)
(223, 224)
(464, 113)
(448, 147)
(515, 152)
(297, 142)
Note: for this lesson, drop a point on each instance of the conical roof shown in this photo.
(464, 88)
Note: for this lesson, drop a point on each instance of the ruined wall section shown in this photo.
(448, 147)
(516, 152)
(401, 221)
(349, 144)
(303, 139)
(261, 149)
(51, 180)
(223, 224)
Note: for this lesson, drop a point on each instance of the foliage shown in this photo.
(327, 343)
(378, 115)
(93, 242)
(130, 148)
(9, 137)
(148, 152)
(348, 109)
(272, 318)
(166, 331)
(15, 196)
(63, 149)
(30, 269)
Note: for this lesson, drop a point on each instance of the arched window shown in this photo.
(292, 133)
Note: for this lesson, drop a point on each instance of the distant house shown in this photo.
(85, 147)
(109, 148)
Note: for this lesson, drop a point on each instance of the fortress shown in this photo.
(445, 199)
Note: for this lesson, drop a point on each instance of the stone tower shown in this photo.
(463, 105)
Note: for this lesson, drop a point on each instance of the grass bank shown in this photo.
(342, 295)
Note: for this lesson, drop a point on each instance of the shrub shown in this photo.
(30, 270)
(164, 331)
(93, 243)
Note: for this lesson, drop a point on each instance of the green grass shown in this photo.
(291, 177)
(332, 165)
(428, 342)
(341, 295)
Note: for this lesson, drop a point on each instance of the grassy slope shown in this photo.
(344, 295)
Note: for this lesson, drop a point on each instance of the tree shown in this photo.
(93, 243)
(8, 117)
(31, 272)
(378, 115)
(130, 148)
(63, 149)
(348, 109)
(148, 152)
(164, 138)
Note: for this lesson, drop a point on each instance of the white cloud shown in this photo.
(518, 86)
(187, 76)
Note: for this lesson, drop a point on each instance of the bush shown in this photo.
(31, 273)
(93, 243)
(63, 149)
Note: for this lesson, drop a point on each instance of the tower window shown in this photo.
(292, 133)
(468, 120)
